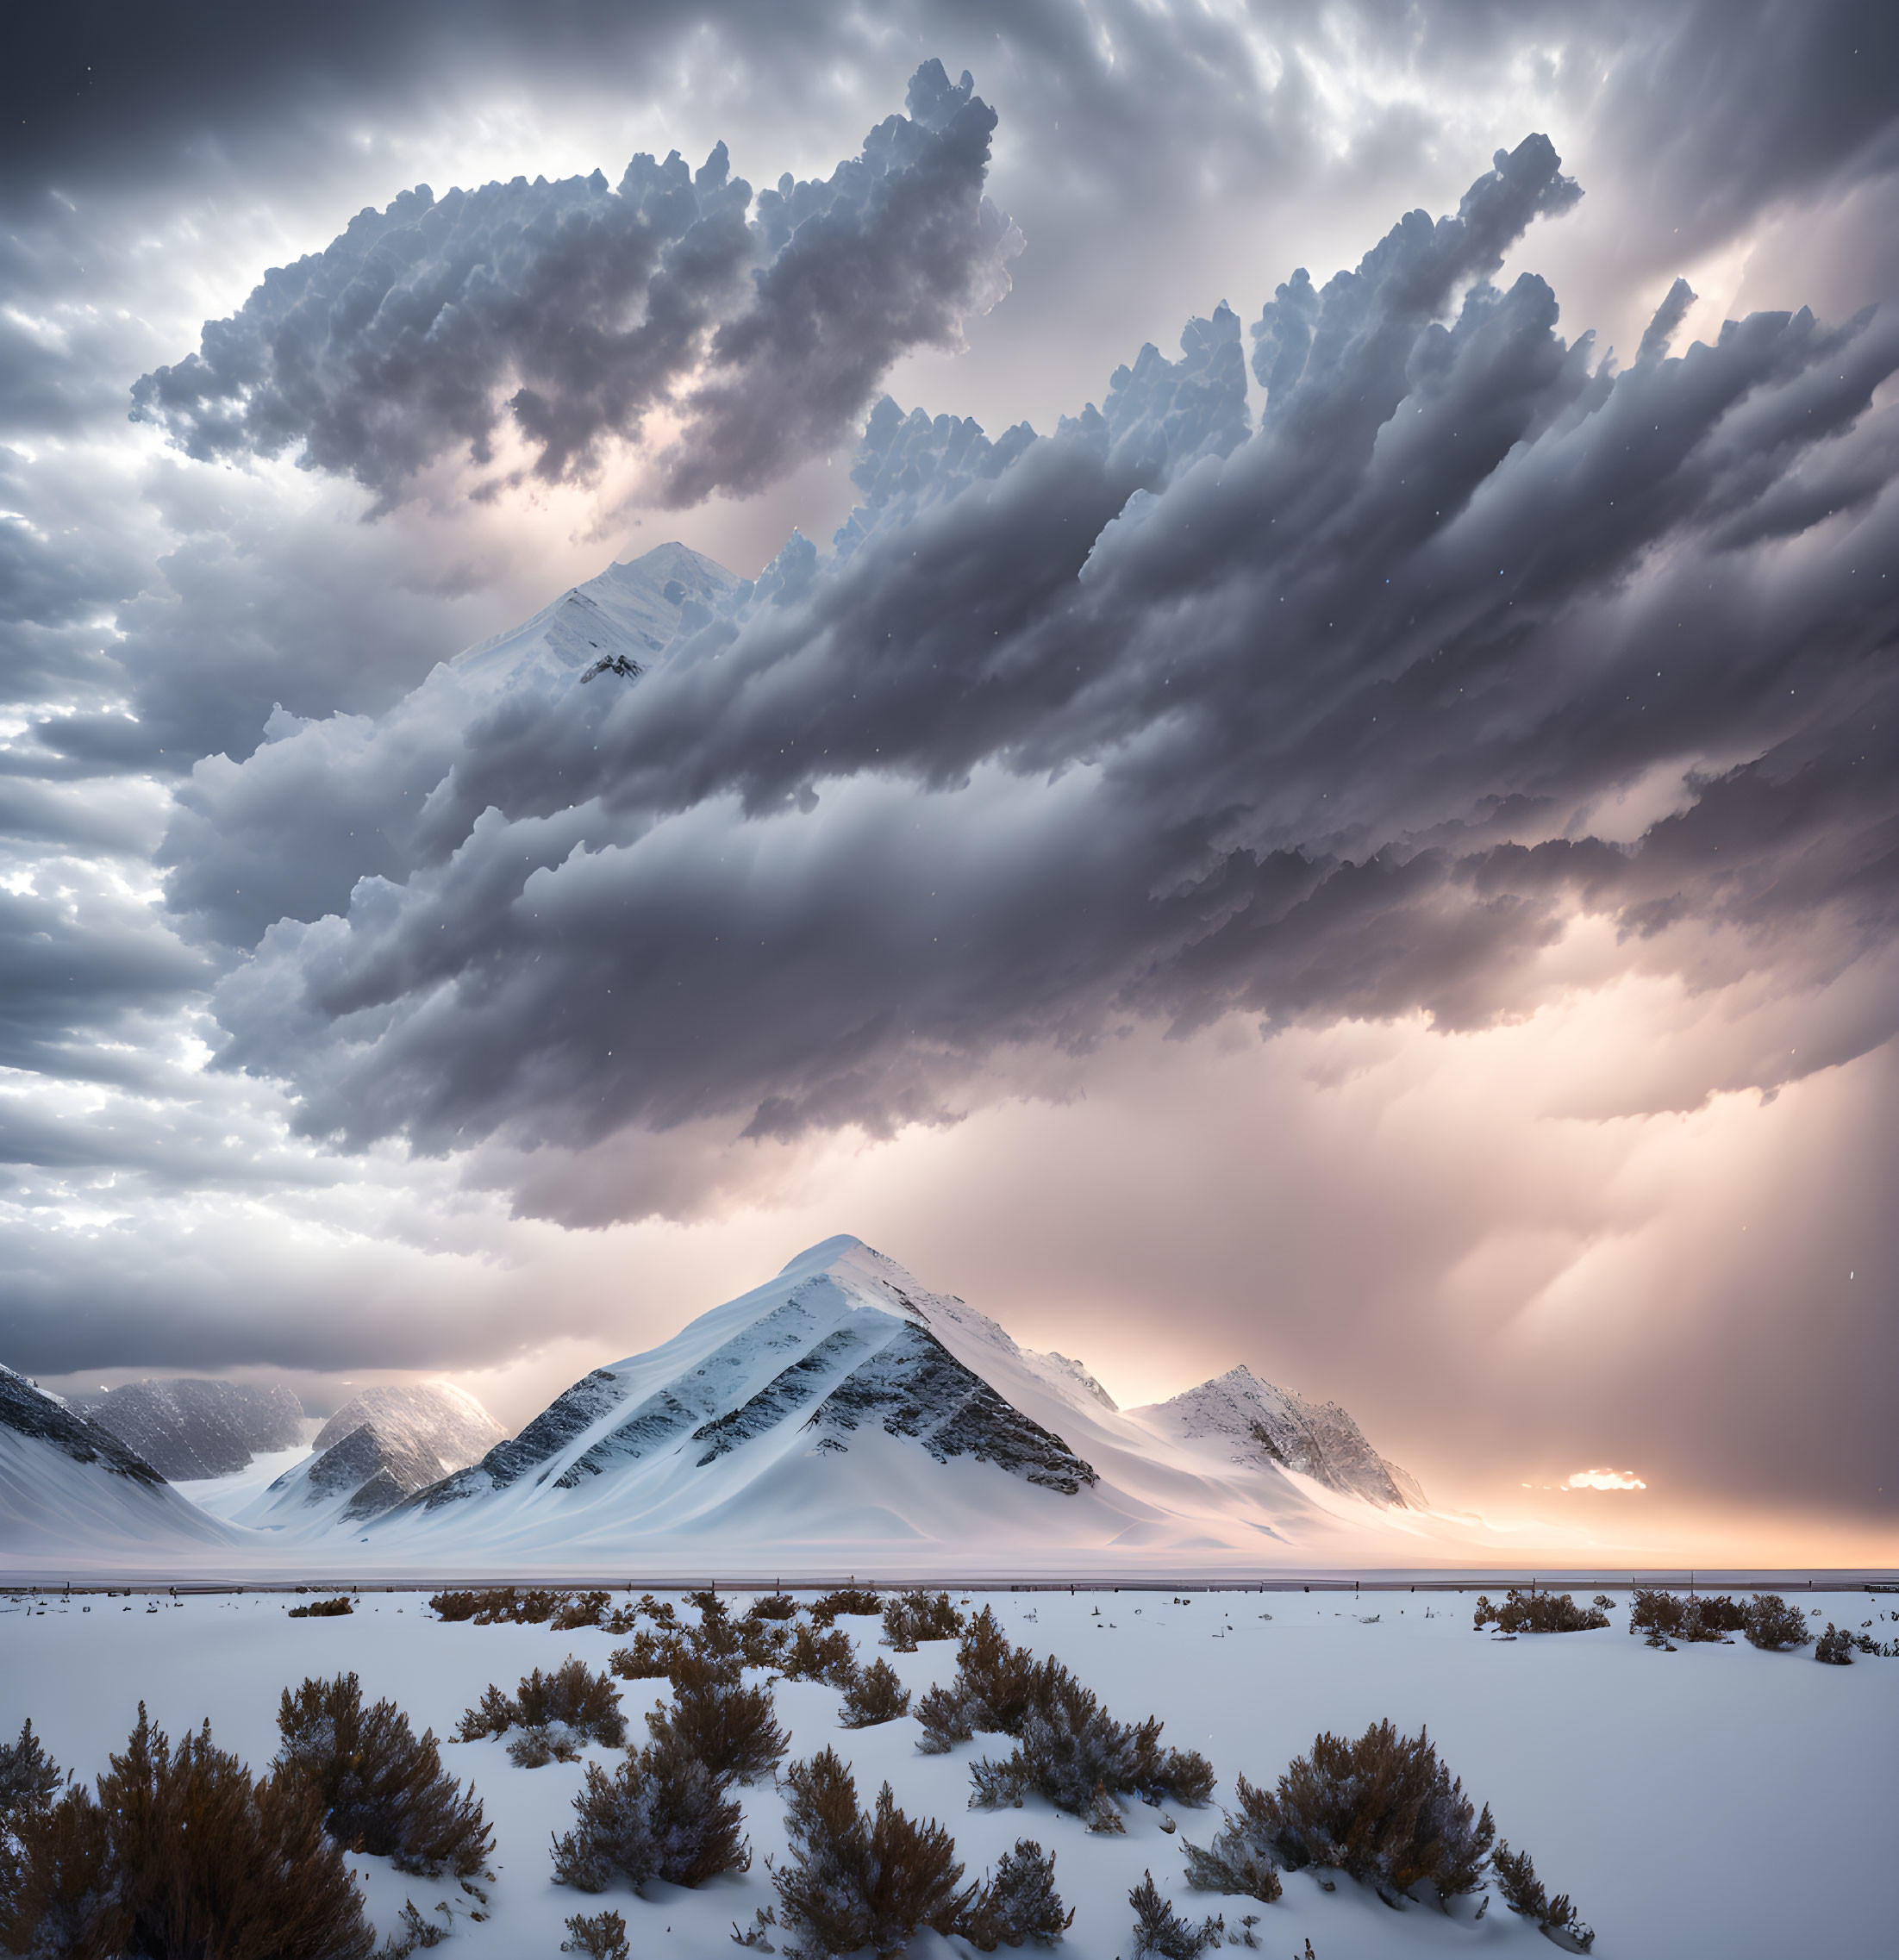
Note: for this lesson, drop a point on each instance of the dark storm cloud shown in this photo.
(580, 309)
(1133, 720)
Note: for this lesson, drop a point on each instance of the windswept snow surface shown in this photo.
(1712, 1804)
(72, 1495)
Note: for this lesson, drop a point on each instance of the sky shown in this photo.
(1311, 777)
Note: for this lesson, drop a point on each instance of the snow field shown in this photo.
(1716, 1801)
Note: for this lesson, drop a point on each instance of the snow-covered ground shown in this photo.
(1715, 1803)
(226, 1497)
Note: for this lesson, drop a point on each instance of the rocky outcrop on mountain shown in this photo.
(430, 1417)
(29, 1412)
(187, 1428)
(1278, 1428)
(377, 1451)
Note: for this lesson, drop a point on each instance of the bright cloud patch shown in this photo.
(1605, 1480)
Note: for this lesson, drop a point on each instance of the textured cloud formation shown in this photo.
(1345, 717)
(576, 310)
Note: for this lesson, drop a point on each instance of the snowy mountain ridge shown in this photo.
(1263, 1425)
(71, 1490)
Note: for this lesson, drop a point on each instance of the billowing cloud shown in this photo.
(1605, 1480)
(573, 311)
(1345, 717)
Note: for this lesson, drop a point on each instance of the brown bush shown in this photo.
(1018, 1904)
(580, 1609)
(1159, 1929)
(382, 1788)
(663, 1815)
(1523, 1893)
(30, 1780)
(1382, 1808)
(322, 1609)
(715, 1718)
(773, 1606)
(499, 1604)
(1665, 1616)
(912, 1617)
(184, 1854)
(1770, 1623)
(876, 1696)
(844, 1602)
(1068, 1746)
(855, 1879)
(1540, 1613)
(1240, 1858)
(572, 1695)
(828, 1657)
(600, 1935)
(650, 1658)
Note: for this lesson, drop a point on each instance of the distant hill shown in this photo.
(187, 1428)
(71, 1494)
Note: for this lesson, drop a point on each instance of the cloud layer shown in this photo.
(1340, 718)
(573, 311)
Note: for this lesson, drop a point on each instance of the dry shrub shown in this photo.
(773, 1606)
(381, 1786)
(1382, 1808)
(876, 1696)
(30, 1780)
(1772, 1624)
(651, 1656)
(1523, 1893)
(1159, 1929)
(912, 1617)
(844, 1602)
(1240, 1858)
(1068, 1746)
(1540, 1613)
(1018, 1904)
(495, 1605)
(1835, 1646)
(828, 1657)
(856, 1880)
(184, 1854)
(602, 1936)
(580, 1609)
(663, 1815)
(716, 1718)
(322, 1609)
(1665, 1616)
(991, 1693)
(573, 1696)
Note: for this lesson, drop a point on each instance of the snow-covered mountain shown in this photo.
(841, 1416)
(382, 1447)
(72, 1494)
(188, 1428)
(613, 625)
(1250, 1421)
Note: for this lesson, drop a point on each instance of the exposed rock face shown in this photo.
(431, 1417)
(32, 1412)
(844, 1349)
(187, 1428)
(1266, 1426)
(377, 1451)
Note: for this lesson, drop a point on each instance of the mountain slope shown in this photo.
(381, 1447)
(71, 1491)
(1255, 1423)
(187, 1427)
(614, 624)
(842, 1415)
